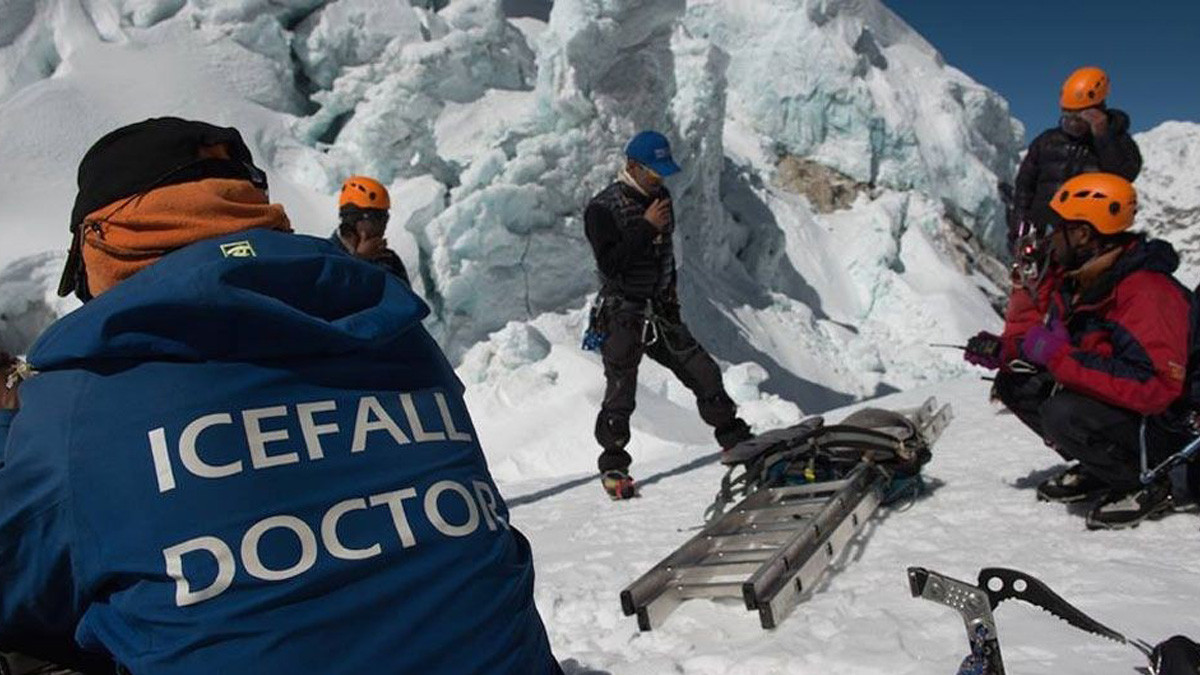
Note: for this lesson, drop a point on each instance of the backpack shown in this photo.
(1192, 382)
(1187, 410)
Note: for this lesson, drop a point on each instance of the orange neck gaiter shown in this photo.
(131, 234)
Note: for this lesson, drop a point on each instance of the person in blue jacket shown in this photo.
(243, 453)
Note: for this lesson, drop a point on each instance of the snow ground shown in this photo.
(862, 620)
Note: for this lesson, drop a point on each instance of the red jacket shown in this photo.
(1129, 329)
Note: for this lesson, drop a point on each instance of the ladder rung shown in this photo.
(792, 491)
(708, 571)
(800, 506)
(768, 538)
(777, 525)
(757, 555)
(710, 589)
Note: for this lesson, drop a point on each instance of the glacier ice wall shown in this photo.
(493, 134)
(849, 84)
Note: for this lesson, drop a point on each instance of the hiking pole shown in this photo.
(1189, 451)
(947, 346)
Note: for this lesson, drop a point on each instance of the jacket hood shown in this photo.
(1142, 255)
(1150, 255)
(250, 296)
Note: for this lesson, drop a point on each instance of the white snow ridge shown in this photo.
(1169, 190)
(839, 210)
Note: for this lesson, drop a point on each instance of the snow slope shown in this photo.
(534, 394)
(862, 619)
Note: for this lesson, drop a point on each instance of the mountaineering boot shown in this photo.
(733, 434)
(618, 484)
(1127, 509)
(1070, 486)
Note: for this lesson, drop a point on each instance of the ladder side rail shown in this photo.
(801, 582)
(791, 557)
(651, 585)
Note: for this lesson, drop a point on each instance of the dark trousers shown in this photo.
(1103, 438)
(632, 332)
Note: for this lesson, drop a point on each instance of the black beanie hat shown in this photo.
(140, 157)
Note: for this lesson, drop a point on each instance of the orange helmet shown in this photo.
(1105, 201)
(364, 193)
(1085, 88)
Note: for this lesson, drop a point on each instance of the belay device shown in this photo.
(804, 492)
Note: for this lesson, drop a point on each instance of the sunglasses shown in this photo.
(374, 217)
(372, 223)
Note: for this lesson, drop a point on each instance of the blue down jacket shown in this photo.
(251, 457)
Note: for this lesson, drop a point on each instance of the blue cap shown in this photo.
(651, 150)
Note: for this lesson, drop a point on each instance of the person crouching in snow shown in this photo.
(630, 226)
(363, 210)
(1106, 333)
(243, 453)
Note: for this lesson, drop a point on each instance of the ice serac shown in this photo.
(511, 246)
(28, 303)
(27, 50)
(499, 154)
(848, 84)
(36, 37)
(378, 102)
(349, 33)
(838, 178)
(1169, 191)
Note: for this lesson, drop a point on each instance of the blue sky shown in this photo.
(1024, 49)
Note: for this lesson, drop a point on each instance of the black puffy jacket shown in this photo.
(388, 260)
(635, 261)
(1054, 157)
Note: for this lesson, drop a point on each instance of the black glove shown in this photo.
(984, 350)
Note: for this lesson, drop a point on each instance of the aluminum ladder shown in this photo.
(771, 548)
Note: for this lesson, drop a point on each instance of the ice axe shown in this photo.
(975, 604)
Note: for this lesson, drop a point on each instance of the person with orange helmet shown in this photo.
(1098, 346)
(1090, 137)
(363, 208)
